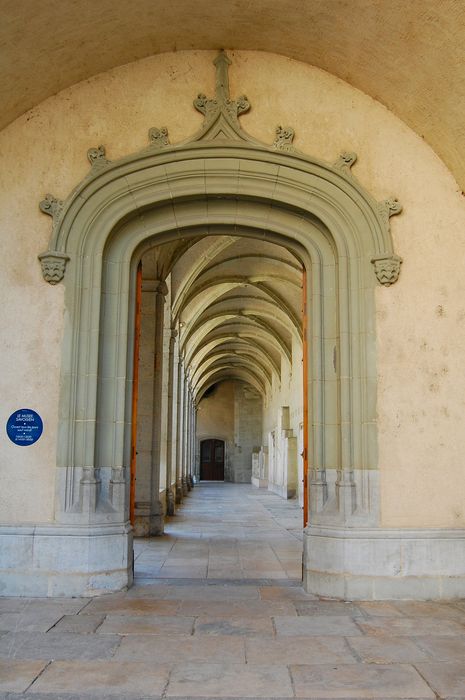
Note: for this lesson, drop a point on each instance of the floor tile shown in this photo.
(359, 681)
(386, 650)
(446, 679)
(229, 680)
(410, 626)
(242, 627)
(318, 625)
(16, 676)
(443, 648)
(94, 678)
(180, 649)
(146, 624)
(57, 645)
(298, 650)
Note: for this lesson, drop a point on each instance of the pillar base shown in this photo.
(184, 486)
(178, 492)
(65, 561)
(381, 564)
(170, 502)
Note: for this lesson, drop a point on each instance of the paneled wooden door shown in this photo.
(212, 460)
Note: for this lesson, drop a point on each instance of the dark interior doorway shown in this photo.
(212, 460)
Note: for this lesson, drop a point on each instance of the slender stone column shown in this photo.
(156, 508)
(179, 429)
(189, 443)
(170, 495)
(185, 431)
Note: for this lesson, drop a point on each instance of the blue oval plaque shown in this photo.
(24, 427)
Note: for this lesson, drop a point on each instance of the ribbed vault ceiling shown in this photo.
(237, 304)
(408, 55)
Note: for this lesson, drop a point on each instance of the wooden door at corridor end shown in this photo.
(212, 460)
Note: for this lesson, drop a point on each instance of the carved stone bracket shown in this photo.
(96, 157)
(345, 161)
(159, 137)
(53, 266)
(387, 268)
(51, 206)
(284, 138)
(389, 207)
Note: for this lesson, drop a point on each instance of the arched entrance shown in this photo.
(221, 180)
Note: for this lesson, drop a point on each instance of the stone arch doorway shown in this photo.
(221, 179)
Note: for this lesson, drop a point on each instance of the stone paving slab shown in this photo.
(359, 681)
(229, 680)
(446, 679)
(387, 650)
(181, 649)
(94, 678)
(411, 626)
(131, 606)
(78, 624)
(318, 625)
(146, 624)
(256, 608)
(327, 607)
(299, 650)
(17, 675)
(58, 645)
(261, 627)
(443, 648)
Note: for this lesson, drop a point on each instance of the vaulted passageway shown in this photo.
(218, 371)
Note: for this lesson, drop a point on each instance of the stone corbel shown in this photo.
(345, 162)
(52, 207)
(284, 138)
(53, 266)
(96, 158)
(387, 268)
(159, 137)
(389, 207)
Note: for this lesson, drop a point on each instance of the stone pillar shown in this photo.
(170, 494)
(156, 507)
(179, 429)
(185, 430)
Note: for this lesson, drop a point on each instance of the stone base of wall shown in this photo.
(62, 561)
(282, 490)
(382, 564)
(259, 483)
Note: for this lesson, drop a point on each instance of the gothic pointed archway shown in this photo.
(219, 181)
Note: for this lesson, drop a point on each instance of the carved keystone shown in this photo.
(387, 269)
(284, 138)
(53, 266)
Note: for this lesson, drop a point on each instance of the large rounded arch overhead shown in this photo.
(234, 223)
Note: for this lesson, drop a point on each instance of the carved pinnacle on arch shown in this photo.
(221, 112)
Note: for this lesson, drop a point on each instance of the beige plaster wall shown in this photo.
(420, 321)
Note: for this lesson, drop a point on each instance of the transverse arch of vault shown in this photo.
(222, 181)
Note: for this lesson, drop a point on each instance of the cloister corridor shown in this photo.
(217, 611)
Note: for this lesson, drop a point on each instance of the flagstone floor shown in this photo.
(217, 611)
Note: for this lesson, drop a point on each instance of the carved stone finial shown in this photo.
(53, 266)
(221, 105)
(96, 157)
(51, 206)
(346, 161)
(387, 268)
(159, 137)
(284, 138)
